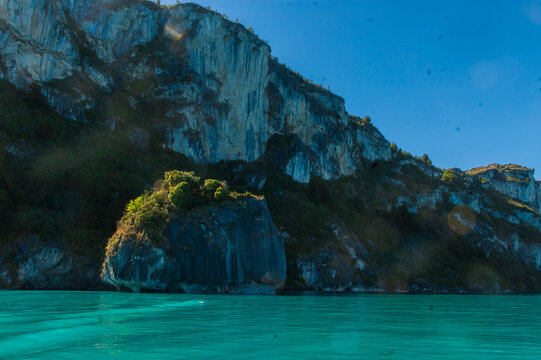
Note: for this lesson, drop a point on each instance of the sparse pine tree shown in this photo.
(426, 159)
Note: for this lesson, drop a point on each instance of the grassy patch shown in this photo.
(520, 205)
(516, 179)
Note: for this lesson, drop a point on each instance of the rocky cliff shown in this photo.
(221, 93)
(515, 181)
(229, 250)
(99, 98)
(402, 226)
(228, 244)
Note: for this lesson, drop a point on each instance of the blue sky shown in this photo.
(458, 80)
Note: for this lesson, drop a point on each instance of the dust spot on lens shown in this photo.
(461, 220)
(172, 32)
(534, 13)
(485, 74)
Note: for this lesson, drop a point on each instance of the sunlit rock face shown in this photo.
(48, 40)
(254, 97)
(222, 93)
(35, 42)
(114, 27)
(515, 181)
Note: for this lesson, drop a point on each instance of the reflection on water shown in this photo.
(57, 325)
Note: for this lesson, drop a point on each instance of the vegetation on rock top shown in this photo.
(179, 192)
(499, 168)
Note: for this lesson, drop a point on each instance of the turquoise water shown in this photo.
(87, 325)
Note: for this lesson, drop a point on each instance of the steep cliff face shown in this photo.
(229, 249)
(224, 94)
(36, 45)
(255, 97)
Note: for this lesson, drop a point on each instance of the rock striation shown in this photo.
(230, 249)
(225, 95)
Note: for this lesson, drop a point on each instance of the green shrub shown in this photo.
(394, 147)
(221, 194)
(210, 187)
(426, 159)
(146, 216)
(366, 120)
(180, 195)
(242, 196)
(484, 180)
(405, 154)
(449, 177)
(152, 211)
(134, 205)
(175, 177)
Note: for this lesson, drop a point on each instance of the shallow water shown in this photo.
(108, 325)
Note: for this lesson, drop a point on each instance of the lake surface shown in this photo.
(108, 325)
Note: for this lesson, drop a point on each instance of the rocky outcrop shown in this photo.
(225, 95)
(234, 248)
(31, 264)
(340, 266)
(515, 181)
